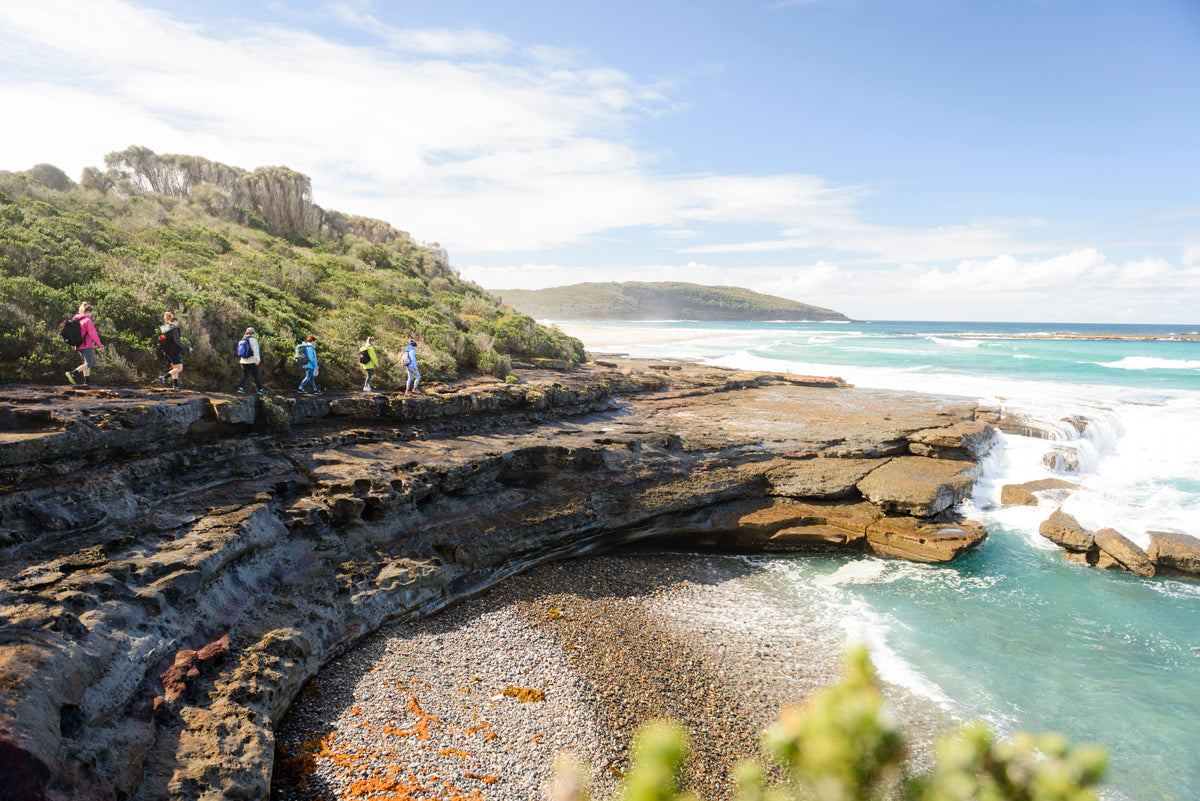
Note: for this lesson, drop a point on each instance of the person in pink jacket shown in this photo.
(88, 347)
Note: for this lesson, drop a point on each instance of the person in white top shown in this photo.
(249, 356)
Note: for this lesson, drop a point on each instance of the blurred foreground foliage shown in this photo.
(844, 745)
(224, 249)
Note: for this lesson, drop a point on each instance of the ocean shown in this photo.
(1012, 633)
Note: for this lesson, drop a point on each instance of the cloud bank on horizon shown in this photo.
(933, 161)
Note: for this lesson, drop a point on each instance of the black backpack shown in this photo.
(364, 357)
(71, 332)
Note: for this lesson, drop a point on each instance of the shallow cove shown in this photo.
(611, 640)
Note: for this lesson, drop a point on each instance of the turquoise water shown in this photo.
(1012, 632)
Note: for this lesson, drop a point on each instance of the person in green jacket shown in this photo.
(369, 360)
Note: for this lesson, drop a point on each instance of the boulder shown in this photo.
(968, 439)
(1027, 494)
(1173, 550)
(1124, 551)
(819, 478)
(1064, 530)
(1061, 459)
(918, 485)
(920, 541)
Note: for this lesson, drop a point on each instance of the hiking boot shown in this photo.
(71, 377)
(162, 379)
(241, 391)
(175, 385)
(262, 392)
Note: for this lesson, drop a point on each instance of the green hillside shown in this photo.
(224, 248)
(666, 300)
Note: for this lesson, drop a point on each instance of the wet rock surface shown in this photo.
(177, 565)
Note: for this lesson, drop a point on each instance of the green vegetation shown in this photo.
(667, 300)
(844, 746)
(225, 249)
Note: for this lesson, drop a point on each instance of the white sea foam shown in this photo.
(957, 343)
(1151, 363)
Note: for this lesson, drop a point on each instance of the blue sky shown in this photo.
(1032, 160)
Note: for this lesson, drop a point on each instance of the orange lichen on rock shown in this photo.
(524, 694)
(455, 752)
(420, 728)
(354, 710)
(482, 777)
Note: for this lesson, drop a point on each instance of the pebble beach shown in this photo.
(478, 701)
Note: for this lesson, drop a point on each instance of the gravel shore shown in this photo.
(475, 702)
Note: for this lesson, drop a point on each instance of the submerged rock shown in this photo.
(1027, 494)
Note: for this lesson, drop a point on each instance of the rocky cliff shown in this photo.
(176, 565)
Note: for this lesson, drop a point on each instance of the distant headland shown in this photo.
(661, 300)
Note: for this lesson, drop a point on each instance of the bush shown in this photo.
(844, 746)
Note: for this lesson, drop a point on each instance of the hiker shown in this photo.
(250, 357)
(369, 360)
(171, 347)
(83, 329)
(409, 360)
(309, 348)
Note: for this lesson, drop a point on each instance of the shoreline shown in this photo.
(601, 336)
(612, 641)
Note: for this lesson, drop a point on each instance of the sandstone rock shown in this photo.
(1062, 459)
(919, 541)
(1173, 550)
(1114, 544)
(1027, 494)
(969, 439)
(1065, 531)
(820, 478)
(918, 485)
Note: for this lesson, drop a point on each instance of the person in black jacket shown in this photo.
(171, 346)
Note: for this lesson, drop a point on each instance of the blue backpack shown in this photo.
(245, 349)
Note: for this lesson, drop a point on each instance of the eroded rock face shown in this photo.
(175, 566)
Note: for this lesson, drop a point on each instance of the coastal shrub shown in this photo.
(843, 745)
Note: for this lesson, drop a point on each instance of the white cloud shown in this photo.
(489, 146)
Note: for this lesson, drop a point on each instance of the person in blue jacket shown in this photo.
(310, 367)
(409, 360)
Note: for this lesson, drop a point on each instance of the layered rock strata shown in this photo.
(176, 566)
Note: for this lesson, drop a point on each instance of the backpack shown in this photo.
(72, 333)
(245, 350)
(364, 357)
(406, 360)
(301, 354)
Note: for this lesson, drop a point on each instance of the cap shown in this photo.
(249, 330)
